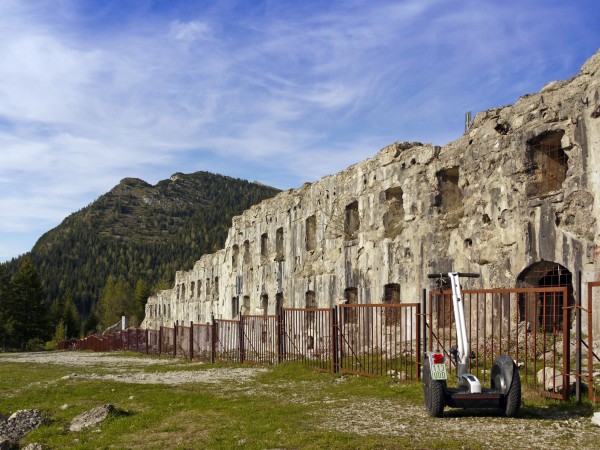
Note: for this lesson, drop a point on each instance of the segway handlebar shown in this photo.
(460, 274)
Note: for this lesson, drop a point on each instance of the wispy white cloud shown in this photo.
(281, 92)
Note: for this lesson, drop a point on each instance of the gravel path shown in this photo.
(131, 369)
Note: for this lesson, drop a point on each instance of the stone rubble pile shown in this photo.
(18, 425)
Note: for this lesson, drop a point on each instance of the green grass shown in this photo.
(286, 406)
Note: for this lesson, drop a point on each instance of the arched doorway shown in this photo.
(547, 307)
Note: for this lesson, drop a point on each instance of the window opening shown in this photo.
(235, 307)
(235, 256)
(548, 164)
(247, 258)
(311, 233)
(351, 296)
(352, 221)
(393, 218)
(449, 197)
(279, 244)
(391, 296)
(264, 242)
(264, 302)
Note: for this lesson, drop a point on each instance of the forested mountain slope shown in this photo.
(140, 232)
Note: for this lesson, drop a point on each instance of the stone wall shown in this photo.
(514, 193)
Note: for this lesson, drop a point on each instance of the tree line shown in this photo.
(108, 258)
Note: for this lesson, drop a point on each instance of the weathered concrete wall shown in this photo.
(488, 202)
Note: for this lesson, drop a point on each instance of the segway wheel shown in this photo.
(512, 401)
(505, 377)
(434, 393)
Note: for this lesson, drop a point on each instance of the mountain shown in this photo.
(140, 232)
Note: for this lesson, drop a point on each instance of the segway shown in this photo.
(505, 391)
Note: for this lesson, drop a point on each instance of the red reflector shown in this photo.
(438, 358)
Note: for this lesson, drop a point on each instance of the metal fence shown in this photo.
(531, 325)
(363, 339)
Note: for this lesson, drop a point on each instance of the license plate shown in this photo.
(438, 372)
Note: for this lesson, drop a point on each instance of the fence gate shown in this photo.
(259, 336)
(380, 339)
(307, 336)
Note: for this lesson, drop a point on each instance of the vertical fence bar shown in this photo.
(213, 338)
(241, 339)
(191, 343)
(334, 339)
(175, 340)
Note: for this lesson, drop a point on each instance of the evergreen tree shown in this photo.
(70, 318)
(117, 300)
(28, 308)
(140, 296)
(5, 317)
(91, 324)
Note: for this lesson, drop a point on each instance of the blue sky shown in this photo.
(281, 92)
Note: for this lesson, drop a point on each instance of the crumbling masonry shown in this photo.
(515, 199)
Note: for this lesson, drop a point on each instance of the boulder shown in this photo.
(596, 419)
(552, 379)
(91, 418)
(19, 424)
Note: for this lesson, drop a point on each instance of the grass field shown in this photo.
(285, 407)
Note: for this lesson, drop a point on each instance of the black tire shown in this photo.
(512, 400)
(434, 393)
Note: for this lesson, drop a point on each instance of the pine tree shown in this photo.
(28, 308)
(70, 318)
(140, 296)
(117, 300)
(5, 317)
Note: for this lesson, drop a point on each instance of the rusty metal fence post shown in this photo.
(280, 338)
(191, 340)
(213, 338)
(335, 339)
(175, 339)
(241, 335)
(160, 340)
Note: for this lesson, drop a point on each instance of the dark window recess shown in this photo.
(311, 233)
(235, 307)
(235, 254)
(279, 244)
(351, 314)
(352, 221)
(246, 305)
(391, 296)
(393, 219)
(247, 258)
(449, 196)
(547, 164)
(264, 244)
(264, 302)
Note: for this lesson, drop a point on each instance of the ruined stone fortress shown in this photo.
(516, 199)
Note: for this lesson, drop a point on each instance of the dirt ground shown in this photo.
(534, 428)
